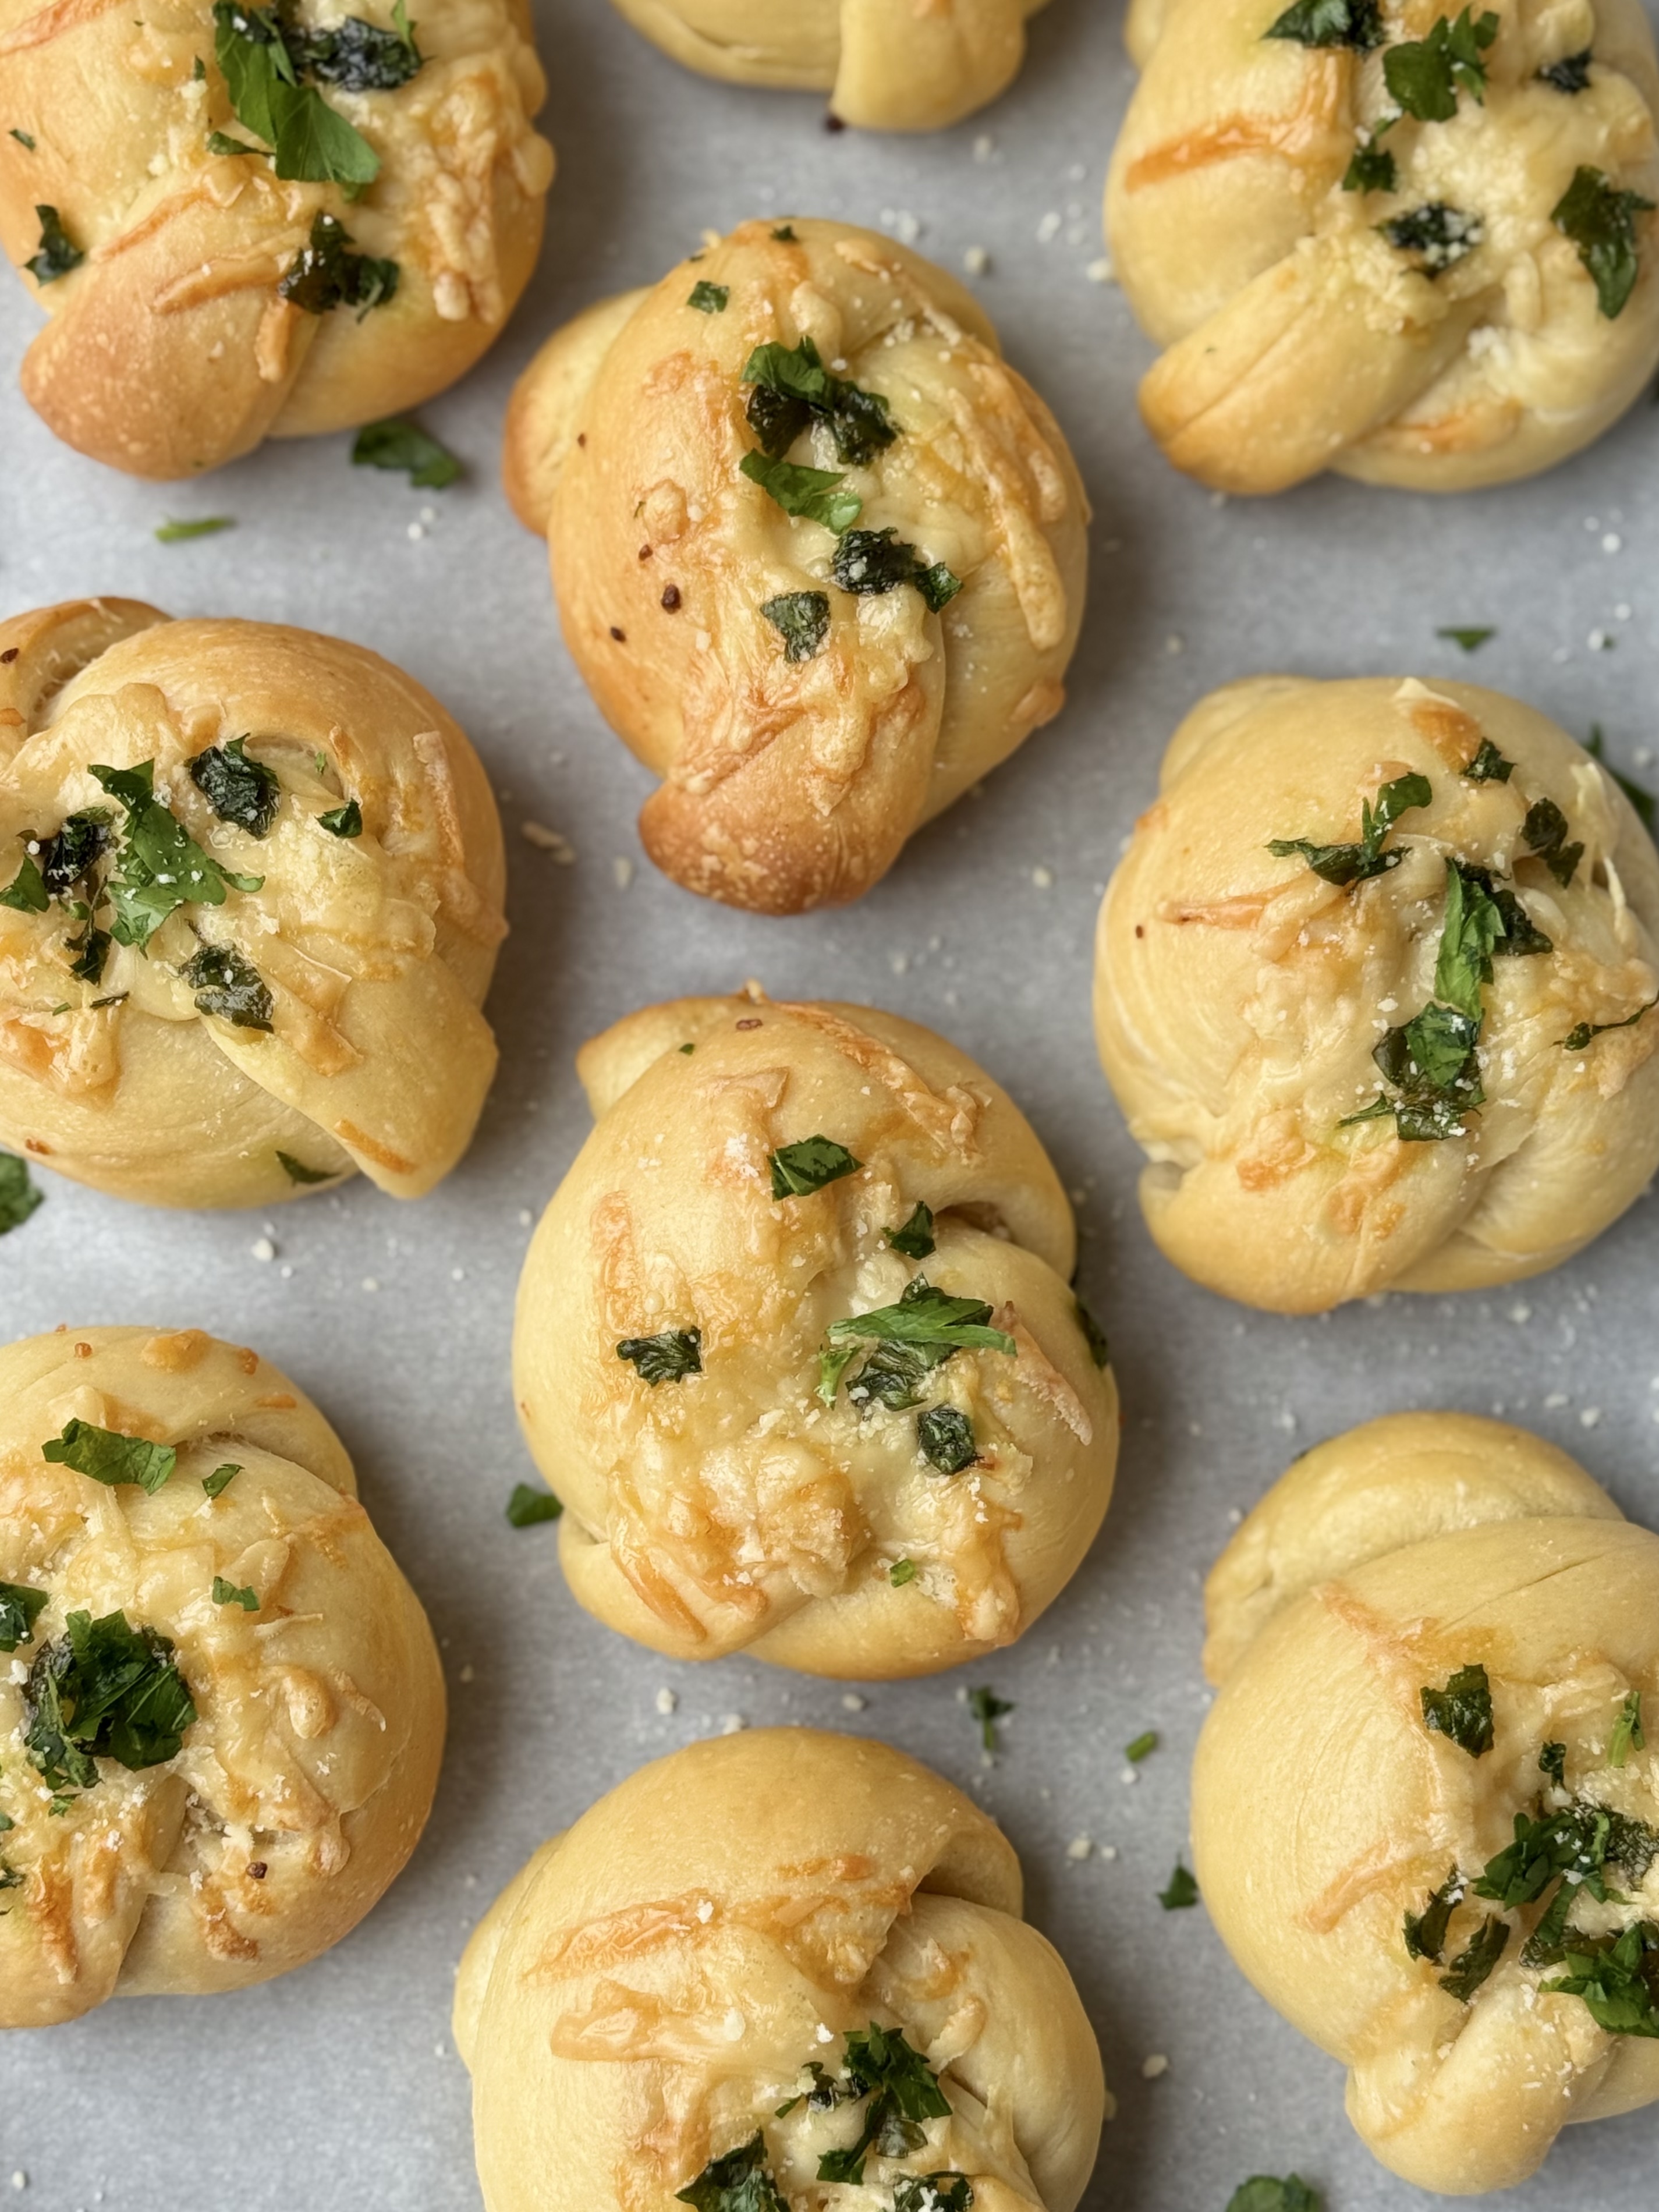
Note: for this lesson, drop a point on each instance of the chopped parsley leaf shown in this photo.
(21, 1605)
(902, 1571)
(1618, 1978)
(873, 561)
(1425, 1931)
(222, 142)
(69, 855)
(1488, 765)
(225, 1593)
(1356, 23)
(297, 1171)
(1264, 2192)
(1370, 170)
(1441, 233)
(933, 2192)
(263, 59)
(1425, 75)
(1182, 1892)
(202, 526)
(792, 386)
(326, 274)
(528, 1505)
(987, 1710)
(785, 234)
(1586, 1032)
(739, 2182)
(1354, 864)
(161, 867)
(1094, 1335)
(105, 1690)
(802, 619)
(926, 1317)
(228, 986)
(1627, 1735)
(1552, 1761)
(56, 253)
(1643, 801)
(709, 299)
(26, 891)
(1601, 221)
(1475, 1962)
(18, 1195)
(810, 494)
(356, 56)
(799, 1169)
(904, 2092)
(945, 1436)
(1471, 641)
(1142, 1748)
(915, 1238)
(111, 1458)
(23, 139)
(1432, 1063)
(1474, 925)
(345, 820)
(397, 443)
(239, 790)
(220, 1480)
(1570, 75)
(1461, 1710)
(1545, 833)
(668, 1356)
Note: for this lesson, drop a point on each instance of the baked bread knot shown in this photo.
(1375, 986)
(795, 1345)
(764, 1971)
(1425, 1814)
(249, 222)
(819, 552)
(250, 886)
(222, 1712)
(919, 66)
(1388, 237)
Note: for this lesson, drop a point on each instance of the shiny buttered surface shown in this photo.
(885, 67)
(1407, 243)
(220, 1708)
(251, 885)
(795, 1345)
(779, 1919)
(1375, 986)
(1425, 1814)
(819, 553)
(247, 223)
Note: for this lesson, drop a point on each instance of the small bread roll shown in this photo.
(251, 885)
(1411, 246)
(744, 1466)
(222, 1714)
(819, 553)
(1423, 1811)
(777, 1919)
(885, 67)
(1421, 1056)
(203, 294)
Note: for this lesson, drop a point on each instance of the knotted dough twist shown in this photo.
(309, 1756)
(1335, 1099)
(918, 66)
(324, 1020)
(809, 693)
(1471, 344)
(711, 1940)
(1326, 1814)
(728, 1487)
(171, 346)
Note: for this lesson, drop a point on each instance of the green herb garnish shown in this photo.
(225, 1593)
(326, 274)
(220, 1480)
(56, 253)
(109, 1457)
(933, 2192)
(297, 1171)
(946, 1437)
(902, 1571)
(1488, 765)
(21, 1605)
(529, 1506)
(262, 60)
(1545, 834)
(345, 820)
(23, 139)
(923, 1330)
(1441, 233)
(68, 857)
(1264, 2192)
(222, 142)
(1425, 75)
(871, 562)
(1432, 1063)
(903, 2092)
(225, 985)
(1370, 170)
(1475, 1962)
(738, 2182)
(1425, 1931)
(1355, 864)
(1552, 1761)
(1142, 1746)
(1586, 1032)
(161, 867)
(1473, 924)
(1182, 1892)
(237, 789)
(1570, 75)
(1461, 1710)
(802, 619)
(356, 56)
(915, 1238)
(26, 891)
(709, 299)
(203, 526)
(1601, 221)
(1618, 1978)
(987, 1710)
(18, 1195)
(791, 387)
(1627, 1735)
(799, 1169)
(668, 1356)
(1355, 23)
(808, 492)
(1094, 1335)
(397, 443)
(104, 1690)
(1471, 641)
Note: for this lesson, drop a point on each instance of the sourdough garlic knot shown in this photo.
(775, 1969)
(221, 1712)
(1425, 1814)
(250, 899)
(819, 553)
(246, 221)
(919, 65)
(1407, 242)
(795, 1345)
(1375, 985)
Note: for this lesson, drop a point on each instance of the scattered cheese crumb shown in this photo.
(1049, 228)
(466, 1674)
(370, 1284)
(1152, 2067)
(1590, 1417)
(733, 1725)
(622, 869)
(1099, 272)
(1556, 1400)
(852, 1702)
(984, 147)
(1108, 1851)
(1520, 1314)
(263, 1248)
(1130, 1774)
(1044, 878)
(1080, 1847)
(976, 261)
(526, 1218)
(548, 840)
(667, 1699)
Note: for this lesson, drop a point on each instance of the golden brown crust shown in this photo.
(377, 949)
(1298, 337)
(1324, 1811)
(788, 783)
(303, 1784)
(1238, 998)
(648, 1989)
(738, 1509)
(169, 349)
(917, 67)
